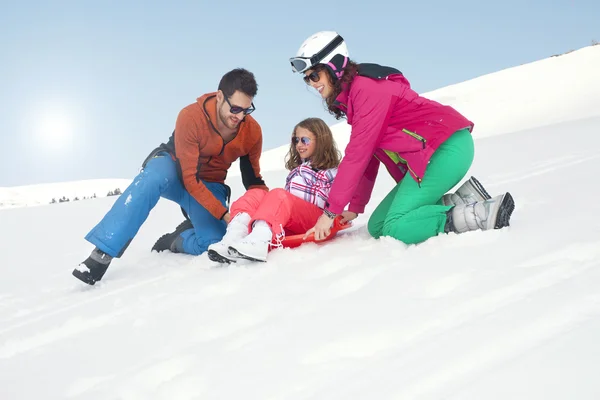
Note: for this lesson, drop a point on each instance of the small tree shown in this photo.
(117, 191)
(53, 201)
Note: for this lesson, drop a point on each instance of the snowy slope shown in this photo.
(540, 93)
(509, 314)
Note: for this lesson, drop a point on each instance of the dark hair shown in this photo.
(350, 72)
(326, 154)
(238, 79)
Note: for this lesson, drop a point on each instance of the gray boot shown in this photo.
(471, 191)
(489, 214)
(93, 268)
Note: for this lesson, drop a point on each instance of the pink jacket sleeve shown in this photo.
(371, 108)
(362, 195)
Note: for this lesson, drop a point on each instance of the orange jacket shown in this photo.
(202, 154)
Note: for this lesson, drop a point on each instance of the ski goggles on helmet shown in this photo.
(301, 64)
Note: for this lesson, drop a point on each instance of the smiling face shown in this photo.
(318, 79)
(312, 140)
(306, 142)
(237, 100)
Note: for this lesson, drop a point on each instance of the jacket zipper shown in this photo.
(416, 136)
(419, 180)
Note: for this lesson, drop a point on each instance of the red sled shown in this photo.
(296, 240)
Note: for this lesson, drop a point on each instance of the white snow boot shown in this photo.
(489, 214)
(255, 246)
(469, 192)
(236, 231)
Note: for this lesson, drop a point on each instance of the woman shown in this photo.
(426, 147)
(260, 216)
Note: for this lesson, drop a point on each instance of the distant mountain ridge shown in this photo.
(41, 194)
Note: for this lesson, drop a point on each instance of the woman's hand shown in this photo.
(348, 216)
(322, 228)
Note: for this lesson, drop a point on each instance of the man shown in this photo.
(190, 170)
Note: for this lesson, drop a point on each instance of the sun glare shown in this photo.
(55, 129)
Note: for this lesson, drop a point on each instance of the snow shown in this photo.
(496, 315)
(545, 92)
(42, 194)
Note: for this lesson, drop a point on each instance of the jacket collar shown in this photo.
(341, 101)
(208, 103)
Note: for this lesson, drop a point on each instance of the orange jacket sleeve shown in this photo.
(189, 139)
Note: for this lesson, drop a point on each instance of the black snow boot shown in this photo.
(169, 241)
(93, 268)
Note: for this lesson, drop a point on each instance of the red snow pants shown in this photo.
(279, 209)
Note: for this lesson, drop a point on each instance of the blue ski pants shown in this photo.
(158, 179)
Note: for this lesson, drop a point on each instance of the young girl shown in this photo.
(427, 147)
(260, 216)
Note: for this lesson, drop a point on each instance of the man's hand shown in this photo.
(348, 216)
(322, 228)
(227, 218)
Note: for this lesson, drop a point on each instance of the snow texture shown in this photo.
(496, 315)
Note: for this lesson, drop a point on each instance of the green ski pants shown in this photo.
(413, 214)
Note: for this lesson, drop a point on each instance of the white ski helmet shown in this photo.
(321, 48)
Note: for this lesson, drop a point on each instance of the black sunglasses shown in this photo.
(305, 140)
(238, 109)
(313, 76)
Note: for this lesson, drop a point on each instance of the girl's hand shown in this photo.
(322, 228)
(348, 216)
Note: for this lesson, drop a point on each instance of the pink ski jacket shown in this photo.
(393, 125)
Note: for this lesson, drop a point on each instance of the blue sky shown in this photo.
(88, 88)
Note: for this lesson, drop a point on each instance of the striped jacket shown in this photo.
(310, 184)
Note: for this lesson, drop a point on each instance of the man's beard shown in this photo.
(227, 121)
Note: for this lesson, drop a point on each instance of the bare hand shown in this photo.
(348, 216)
(322, 228)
